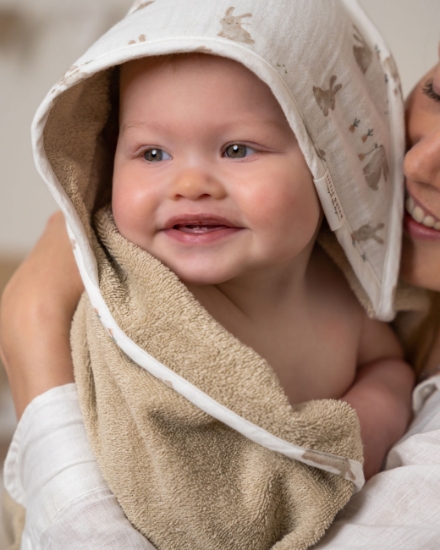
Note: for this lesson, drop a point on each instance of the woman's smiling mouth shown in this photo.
(419, 214)
(419, 223)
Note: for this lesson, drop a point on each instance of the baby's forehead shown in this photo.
(199, 77)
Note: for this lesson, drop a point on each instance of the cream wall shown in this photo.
(412, 30)
(44, 39)
(57, 31)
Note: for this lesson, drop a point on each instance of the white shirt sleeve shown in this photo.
(51, 471)
(399, 508)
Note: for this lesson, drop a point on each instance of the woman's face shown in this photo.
(421, 242)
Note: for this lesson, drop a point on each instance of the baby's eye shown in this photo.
(238, 151)
(156, 155)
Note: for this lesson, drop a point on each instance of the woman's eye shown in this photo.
(428, 90)
(156, 155)
(238, 151)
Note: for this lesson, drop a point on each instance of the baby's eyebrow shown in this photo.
(265, 128)
(133, 125)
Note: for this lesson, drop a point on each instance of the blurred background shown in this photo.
(40, 39)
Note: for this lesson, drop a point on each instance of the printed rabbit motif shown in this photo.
(377, 166)
(139, 4)
(366, 232)
(72, 75)
(232, 27)
(326, 99)
(391, 67)
(362, 53)
(142, 38)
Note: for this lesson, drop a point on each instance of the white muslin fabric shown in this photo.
(51, 471)
(73, 509)
(332, 74)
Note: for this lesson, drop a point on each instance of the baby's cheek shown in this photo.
(130, 212)
(120, 208)
(290, 208)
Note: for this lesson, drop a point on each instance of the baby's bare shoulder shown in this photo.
(332, 291)
(374, 339)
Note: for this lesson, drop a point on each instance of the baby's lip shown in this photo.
(201, 219)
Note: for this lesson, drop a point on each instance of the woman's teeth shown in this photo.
(417, 213)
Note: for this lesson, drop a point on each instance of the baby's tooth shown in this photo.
(418, 214)
(437, 226)
(428, 221)
(409, 204)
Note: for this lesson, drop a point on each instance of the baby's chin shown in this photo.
(197, 279)
(196, 275)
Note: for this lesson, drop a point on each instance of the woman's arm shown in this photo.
(51, 471)
(50, 468)
(36, 311)
(399, 507)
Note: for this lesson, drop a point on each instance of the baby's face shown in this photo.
(208, 176)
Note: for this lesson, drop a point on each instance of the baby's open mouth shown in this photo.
(199, 228)
(419, 214)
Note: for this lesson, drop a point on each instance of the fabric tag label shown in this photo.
(330, 201)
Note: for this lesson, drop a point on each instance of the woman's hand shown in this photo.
(36, 312)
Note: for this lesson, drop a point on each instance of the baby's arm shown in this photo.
(381, 393)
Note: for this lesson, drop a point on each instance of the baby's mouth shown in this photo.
(420, 215)
(199, 228)
(199, 223)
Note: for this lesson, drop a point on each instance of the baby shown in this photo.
(211, 181)
(216, 177)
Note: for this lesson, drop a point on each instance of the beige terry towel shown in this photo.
(184, 479)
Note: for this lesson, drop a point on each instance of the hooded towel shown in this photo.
(191, 428)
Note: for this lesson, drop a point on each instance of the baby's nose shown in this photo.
(194, 184)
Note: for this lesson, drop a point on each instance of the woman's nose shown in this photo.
(194, 184)
(422, 161)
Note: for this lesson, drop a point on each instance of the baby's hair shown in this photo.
(168, 59)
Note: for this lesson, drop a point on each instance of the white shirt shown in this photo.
(51, 470)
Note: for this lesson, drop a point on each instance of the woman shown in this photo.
(398, 508)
